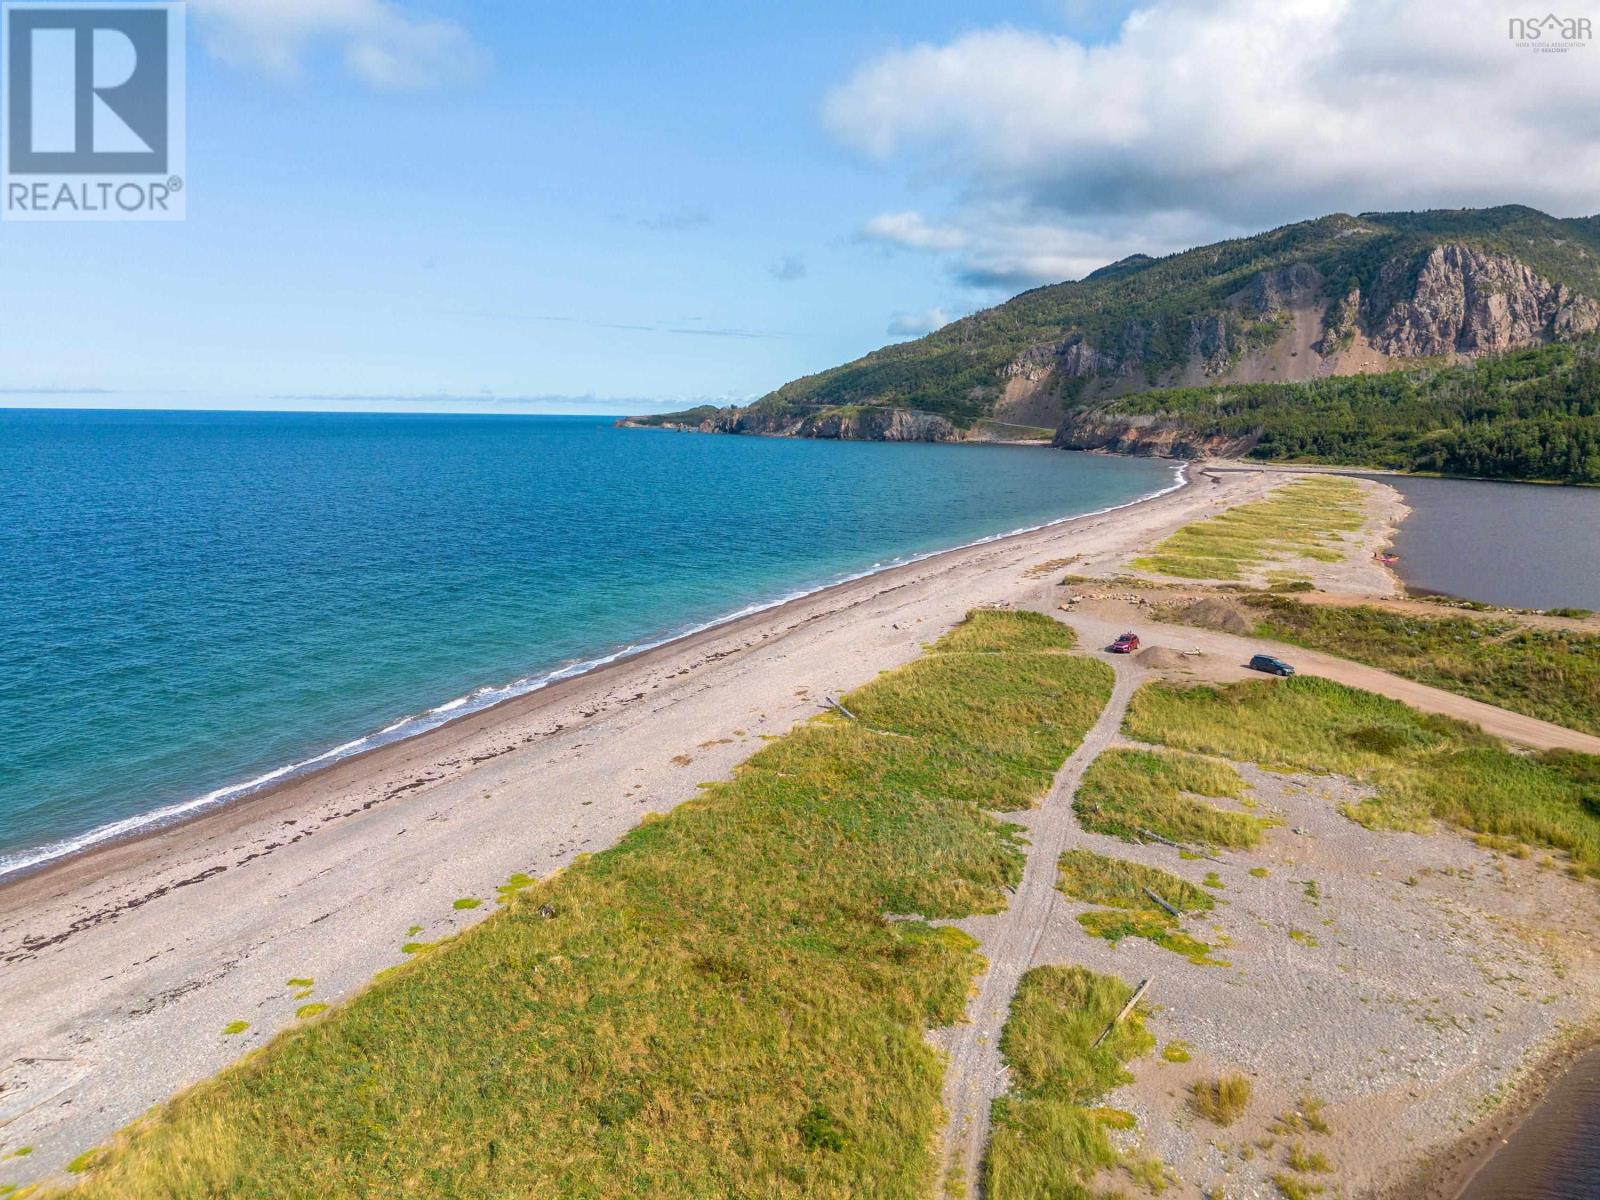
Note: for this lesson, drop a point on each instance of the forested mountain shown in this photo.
(1530, 414)
(1397, 339)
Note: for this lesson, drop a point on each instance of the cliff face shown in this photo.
(1147, 436)
(1462, 301)
(848, 424)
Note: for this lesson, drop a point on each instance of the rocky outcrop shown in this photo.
(879, 425)
(1211, 343)
(1272, 292)
(875, 424)
(1070, 358)
(1458, 300)
(1144, 435)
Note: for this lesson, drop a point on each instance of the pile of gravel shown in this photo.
(1160, 658)
(1218, 615)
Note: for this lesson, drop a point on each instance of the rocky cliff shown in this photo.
(850, 424)
(1148, 436)
(1457, 300)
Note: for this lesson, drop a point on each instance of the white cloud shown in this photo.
(912, 230)
(915, 324)
(381, 44)
(1201, 121)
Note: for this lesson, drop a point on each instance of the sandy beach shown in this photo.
(123, 966)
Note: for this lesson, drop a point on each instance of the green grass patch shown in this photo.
(1176, 1052)
(1295, 1188)
(306, 1011)
(513, 887)
(1308, 1161)
(1302, 519)
(301, 982)
(233, 1027)
(1049, 1139)
(697, 1011)
(1126, 791)
(1423, 767)
(1261, 872)
(467, 902)
(1096, 879)
(1306, 1117)
(87, 1161)
(1552, 674)
(1153, 926)
(1221, 1101)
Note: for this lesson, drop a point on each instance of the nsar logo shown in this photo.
(94, 112)
(1550, 34)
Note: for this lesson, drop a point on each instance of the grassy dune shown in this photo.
(1048, 1140)
(1552, 674)
(1424, 767)
(1127, 791)
(1300, 520)
(715, 1007)
(1096, 879)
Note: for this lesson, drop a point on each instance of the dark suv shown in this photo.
(1272, 666)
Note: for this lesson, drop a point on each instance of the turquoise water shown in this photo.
(193, 602)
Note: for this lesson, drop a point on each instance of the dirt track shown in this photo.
(1225, 656)
(1010, 943)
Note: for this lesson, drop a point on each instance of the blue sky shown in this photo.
(481, 202)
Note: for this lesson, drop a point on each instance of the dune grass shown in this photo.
(1552, 674)
(1221, 1101)
(1096, 879)
(1048, 1137)
(1115, 883)
(717, 1006)
(1302, 519)
(1126, 791)
(1152, 925)
(1423, 767)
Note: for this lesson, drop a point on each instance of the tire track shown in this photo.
(1009, 941)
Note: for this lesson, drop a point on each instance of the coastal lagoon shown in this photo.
(1555, 1153)
(1517, 544)
(197, 604)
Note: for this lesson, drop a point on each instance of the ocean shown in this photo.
(193, 605)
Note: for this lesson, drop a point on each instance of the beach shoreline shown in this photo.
(126, 961)
(127, 965)
(173, 817)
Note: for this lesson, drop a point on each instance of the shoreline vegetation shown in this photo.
(1051, 1136)
(1420, 768)
(1302, 519)
(724, 1001)
(1549, 670)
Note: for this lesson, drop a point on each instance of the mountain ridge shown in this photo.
(1334, 297)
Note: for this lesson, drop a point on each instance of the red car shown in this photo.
(1126, 644)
